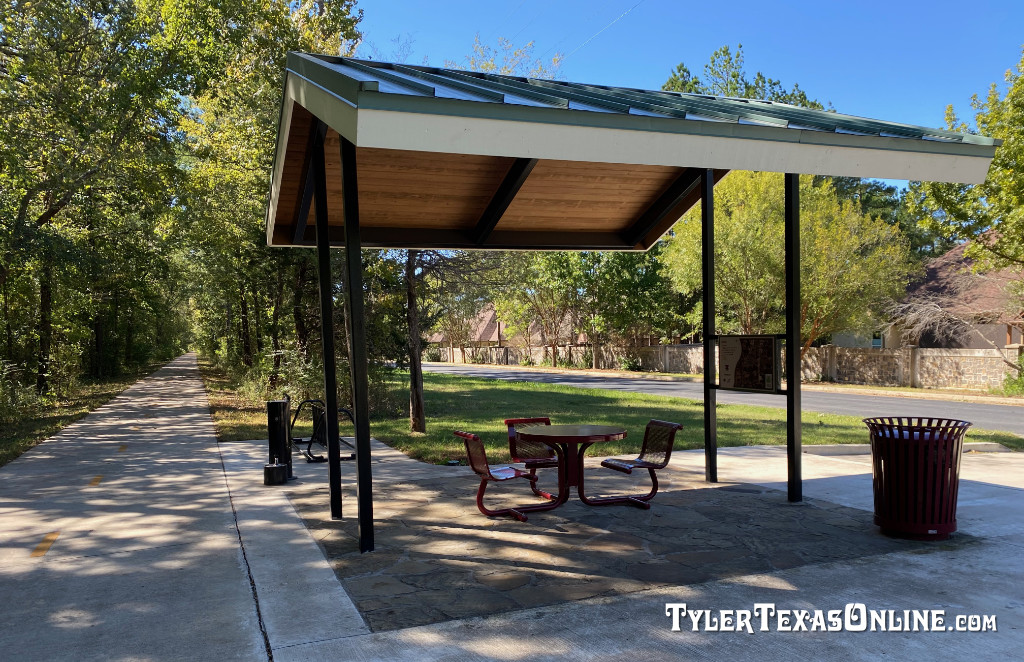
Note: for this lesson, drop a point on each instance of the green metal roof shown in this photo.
(351, 76)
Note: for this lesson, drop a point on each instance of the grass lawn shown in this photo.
(21, 435)
(455, 402)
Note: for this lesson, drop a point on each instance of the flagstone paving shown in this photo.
(437, 558)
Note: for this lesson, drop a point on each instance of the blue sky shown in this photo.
(898, 60)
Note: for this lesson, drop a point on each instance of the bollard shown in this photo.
(280, 451)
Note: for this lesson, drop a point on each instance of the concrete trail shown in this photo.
(118, 541)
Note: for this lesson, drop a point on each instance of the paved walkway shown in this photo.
(117, 540)
(144, 559)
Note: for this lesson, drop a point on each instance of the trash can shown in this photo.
(915, 468)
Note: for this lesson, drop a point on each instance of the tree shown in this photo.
(990, 214)
(724, 76)
(246, 287)
(627, 297)
(89, 105)
(540, 289)
(895, 206)
(507, 59)
(851, 264)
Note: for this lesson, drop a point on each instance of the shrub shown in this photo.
(1014, 383)
(16, 400)
(629, 363)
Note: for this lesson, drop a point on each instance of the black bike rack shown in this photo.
(318, 412)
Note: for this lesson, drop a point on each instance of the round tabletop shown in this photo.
(571, 433)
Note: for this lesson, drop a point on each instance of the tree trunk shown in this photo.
(8, 331)
(257, 321)
(97, 333)
(243, 316)
(227, 332)
(45, 326)
(129, 339)
(417, 418)
(301, 330)
(275, 332)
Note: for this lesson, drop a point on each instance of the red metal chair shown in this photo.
(478, 461)
(655, 453)
(534, 455)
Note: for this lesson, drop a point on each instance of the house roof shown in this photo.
(965, 293)
(456, 159)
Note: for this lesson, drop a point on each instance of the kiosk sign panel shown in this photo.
(748, 363)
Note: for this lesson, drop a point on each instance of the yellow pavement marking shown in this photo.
(43, 547)
(123, 448)
(95, 481)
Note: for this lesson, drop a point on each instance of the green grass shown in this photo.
(20, 435)
(234, 418)
(455, 402)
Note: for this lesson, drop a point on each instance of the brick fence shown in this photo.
(907, 366)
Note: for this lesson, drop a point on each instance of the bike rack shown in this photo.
(318, 413)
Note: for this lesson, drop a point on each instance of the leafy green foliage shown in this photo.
(606, 296)
(990, 214)
(1014, 382)
(135, 146)
(896, 207)
(90, 103)
(851, 263)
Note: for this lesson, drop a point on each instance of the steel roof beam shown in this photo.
(316, 135)
(666, 202)
(502, 198)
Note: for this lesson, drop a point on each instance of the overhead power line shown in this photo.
(594, 36)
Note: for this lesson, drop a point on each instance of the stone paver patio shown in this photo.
(438, 559)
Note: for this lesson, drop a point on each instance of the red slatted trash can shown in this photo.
(915, 467)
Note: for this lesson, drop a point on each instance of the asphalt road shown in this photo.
(1008, 418)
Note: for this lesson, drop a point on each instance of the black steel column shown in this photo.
(323, 259)
(793, 372)
(357, 344)
(707, 219)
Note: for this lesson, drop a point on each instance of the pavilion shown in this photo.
(379, 155)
